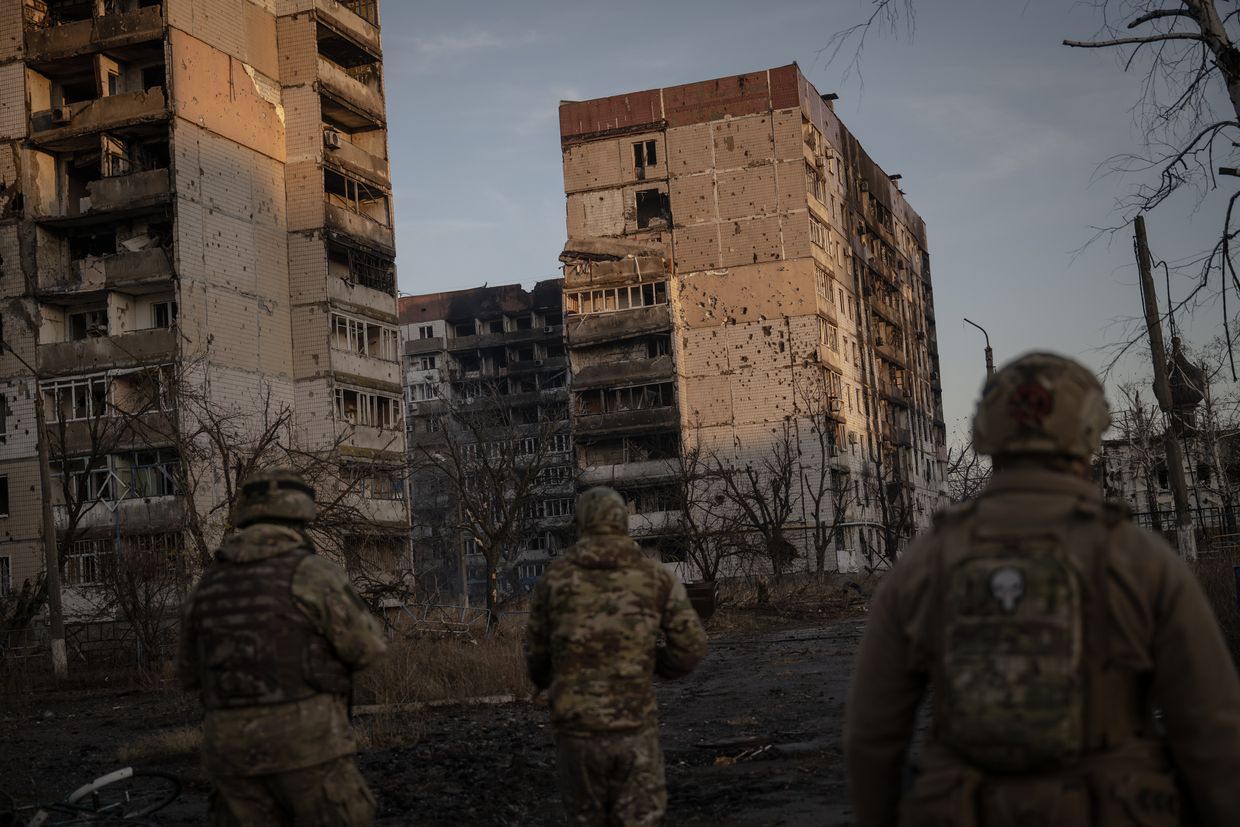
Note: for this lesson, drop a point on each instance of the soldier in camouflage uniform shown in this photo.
(594, 619)
(1049, 628)
(271, 637)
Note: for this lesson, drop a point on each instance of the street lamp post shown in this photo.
(990, 359)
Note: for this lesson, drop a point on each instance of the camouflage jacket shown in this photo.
(594, 619)
(1160, 639)
(260, 740)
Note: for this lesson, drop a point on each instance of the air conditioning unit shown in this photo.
(538, 362)
(331, 139)
(61, 115)
(835, 405)
(852, 437)
(548, 329)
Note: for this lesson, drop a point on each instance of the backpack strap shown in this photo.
(954, 525)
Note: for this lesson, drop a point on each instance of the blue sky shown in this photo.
(997, 129)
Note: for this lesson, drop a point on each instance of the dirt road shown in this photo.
(751, 738)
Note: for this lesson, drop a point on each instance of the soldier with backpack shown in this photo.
(1049, 629)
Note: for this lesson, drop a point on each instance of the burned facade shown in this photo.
(486, 392)
(196, 204)
(743, 282)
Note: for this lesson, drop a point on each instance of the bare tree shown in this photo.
(825, 482)
(1185, 53)
(967, 472)
(493, 456)
(764, 496)
(708, 525)
(885, 486)
(1137, 423)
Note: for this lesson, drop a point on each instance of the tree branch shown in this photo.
(1128, 41)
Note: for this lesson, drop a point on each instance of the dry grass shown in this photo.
(167, 743)
(752, 603)
(429, 670)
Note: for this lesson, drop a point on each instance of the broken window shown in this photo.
(814, 183)
(654, 209)
(85, 483)
(358, 407)
(613, 299)
(645, 154)
(144, 390)
(356, 196)
(368, 10)
(364, 337)
(462, 329)
(90, 323)
(88, 561)
(657, 346)
(69, 400)
(164, 315)
(428, 362)
(149, 473)
(817, 232)
(353, 265)
(496, 326)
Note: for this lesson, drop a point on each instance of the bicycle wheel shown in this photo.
(143, 793)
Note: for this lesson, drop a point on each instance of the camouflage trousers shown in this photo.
(612, 779)
(332, 794)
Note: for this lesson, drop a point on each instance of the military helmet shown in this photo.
(274, 494)
(1041, 403)
(601, 510)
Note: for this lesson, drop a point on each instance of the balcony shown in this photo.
(830, 358)
(63, 129)
(134, 432)
(649, 470)
(369, 439)
(144, 271)
(885, 310)
(636, 371)
(620, 423)
(110, 199)
(890, 352)
(893, 393)
(362, 97)
(46, 46)
(370, 368)
(433, 344)
(624, 324)
(138, 516)
(359, 227)
(142, 347)
(358, 161)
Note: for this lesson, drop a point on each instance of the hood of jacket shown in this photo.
(259, 541)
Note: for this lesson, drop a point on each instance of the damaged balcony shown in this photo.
(139, 272)
(358, 209)
(890, 351)
(354, 96)
(626, 422)
(637, 370)
(115, 198)
(139, 515)
(102, 353)
(609, 327)
(64, 127)
(48, 41)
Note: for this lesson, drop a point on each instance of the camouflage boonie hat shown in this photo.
(602, 511)
(274, 494)
(1041, 403)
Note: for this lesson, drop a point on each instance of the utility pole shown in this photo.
(990, 356)
(1185, 536)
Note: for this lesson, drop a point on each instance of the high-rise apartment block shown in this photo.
(739, 272)
(486, 367)
(196, 204)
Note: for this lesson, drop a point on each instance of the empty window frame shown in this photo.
(164, 315)
(814, 184)
(613, 299)
(555, 475)
(359, 407)
(79, 480)
(378, 272)
(72, 400)
(376, 483)
(143, 390)
(6, 576)
(817, 232)
(85, 324)
(645, 154)
(653, 206)
(4, 418)
(364, 337)
(557, 507)
(828, 334)
(632, 398)
(148, 473)
(428, 362)
(88, 561)
(824, 283)
(423, 391)
(356, 196)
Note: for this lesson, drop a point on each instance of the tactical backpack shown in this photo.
(1011, 615)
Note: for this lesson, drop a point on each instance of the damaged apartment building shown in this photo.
(196, 204)
(739, 274)
(486, 394)
(486, 369)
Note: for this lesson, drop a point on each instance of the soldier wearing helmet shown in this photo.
(594, 618)
(270, 638)
(1050, 628)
